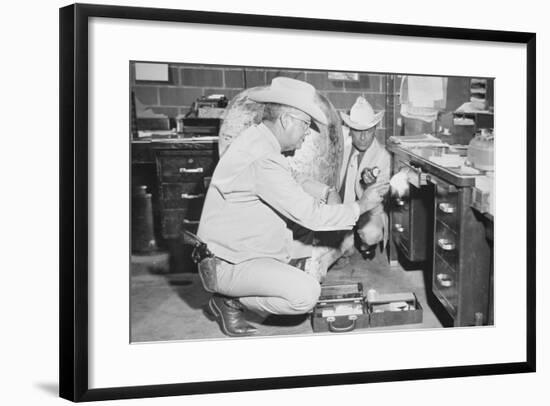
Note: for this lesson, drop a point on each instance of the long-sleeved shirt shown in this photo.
(375, 156)
(251, 197)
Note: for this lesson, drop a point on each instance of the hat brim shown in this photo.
(361, 126)
(289, 98)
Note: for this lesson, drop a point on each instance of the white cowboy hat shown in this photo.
(362, 116)
(291, 92)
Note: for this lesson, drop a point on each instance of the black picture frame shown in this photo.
(74, 196)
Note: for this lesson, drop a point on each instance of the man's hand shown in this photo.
(333, 197)
(372, 197)
(369, 175)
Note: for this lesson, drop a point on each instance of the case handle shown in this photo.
(337, 329)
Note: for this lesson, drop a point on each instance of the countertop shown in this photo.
(420, 158)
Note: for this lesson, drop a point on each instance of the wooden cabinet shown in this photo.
(410, 224)
(183, 175)
(411, 218)
(462, 265)
(176, 173)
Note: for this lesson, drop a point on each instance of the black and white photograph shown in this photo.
(255, 202)
(275, 201)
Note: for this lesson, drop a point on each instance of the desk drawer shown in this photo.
(185, 167)
(173, 221)
(189, 196)
(445, 285)
(401, 229)
(447, 244)
(446, 205)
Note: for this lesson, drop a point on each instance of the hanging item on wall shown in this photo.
(423, 97)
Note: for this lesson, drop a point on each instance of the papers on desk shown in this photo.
(448, 160)
(418, 141)
(456, 162)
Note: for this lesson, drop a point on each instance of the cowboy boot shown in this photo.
(367, 251)
(229, 314)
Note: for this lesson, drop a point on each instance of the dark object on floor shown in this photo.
(143, 235)
(284, 320)
(229, 313)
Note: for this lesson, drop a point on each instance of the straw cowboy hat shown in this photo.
(361, 115)
(291, 92)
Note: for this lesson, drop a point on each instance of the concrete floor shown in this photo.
(170, 306)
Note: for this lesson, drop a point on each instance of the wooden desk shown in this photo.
(460, 253)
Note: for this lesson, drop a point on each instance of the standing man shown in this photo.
(251, 200)
(366, 164)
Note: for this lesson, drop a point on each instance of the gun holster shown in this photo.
(206, 262)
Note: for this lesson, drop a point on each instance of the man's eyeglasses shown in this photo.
(306, 122)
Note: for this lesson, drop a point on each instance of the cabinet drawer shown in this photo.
(189, 196)
(401, 229)
(446, 244)
(446, 205)
(173, 221)
(400, 203)
(445, 285)
(185, 167)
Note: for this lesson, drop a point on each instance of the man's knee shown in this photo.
(305, 298)
(371, 234)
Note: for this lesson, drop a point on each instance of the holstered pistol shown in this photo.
(205, 260)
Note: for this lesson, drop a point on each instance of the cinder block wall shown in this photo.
(189, 82)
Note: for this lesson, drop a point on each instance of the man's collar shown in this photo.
(270, 137)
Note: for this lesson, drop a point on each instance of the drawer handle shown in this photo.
(188, 196)
(399, 228)
(195, 170)
(185, 221)
(445, 280)
(447, 208)
(399, 202)
(446, 244)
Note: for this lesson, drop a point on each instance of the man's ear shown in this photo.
(284, 121)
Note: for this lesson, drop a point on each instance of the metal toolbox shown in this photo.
(343, 307)
(340, 308)
(392, 309)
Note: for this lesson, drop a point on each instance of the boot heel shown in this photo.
(209, 312)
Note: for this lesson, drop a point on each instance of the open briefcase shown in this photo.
(340, 308)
